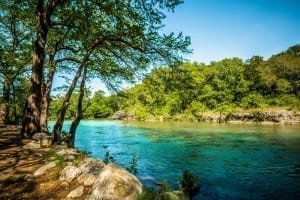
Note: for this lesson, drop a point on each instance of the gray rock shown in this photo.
(44, 168)
(114, 182)
(90, 165)
(78, 192)
(69, 173)
(87, 179)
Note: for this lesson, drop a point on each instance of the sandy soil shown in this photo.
(17, 166)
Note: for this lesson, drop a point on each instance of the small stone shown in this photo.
(64, 184)
(78, 192)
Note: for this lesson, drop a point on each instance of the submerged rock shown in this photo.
(190, 183)
(114, 182)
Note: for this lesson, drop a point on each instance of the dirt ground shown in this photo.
(17, 166)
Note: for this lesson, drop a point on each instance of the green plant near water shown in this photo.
(82, 155)
(108, 158)
(133, 165)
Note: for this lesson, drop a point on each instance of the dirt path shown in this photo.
(17, 165)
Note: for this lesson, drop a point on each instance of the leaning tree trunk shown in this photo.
(62, 112)
(79, 115)
(45, 103)
(61, 116)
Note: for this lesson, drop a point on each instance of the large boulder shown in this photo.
(115, 183)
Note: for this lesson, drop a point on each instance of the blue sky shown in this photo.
(236, 28)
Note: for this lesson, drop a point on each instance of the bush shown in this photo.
(252, 101)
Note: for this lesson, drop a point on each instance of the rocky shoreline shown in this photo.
(268, 116)
(29, 171)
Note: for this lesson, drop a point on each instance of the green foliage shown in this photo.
(108, 158)
(253, 100)
(133, 165)
(192, 89)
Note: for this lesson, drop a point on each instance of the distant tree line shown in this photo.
(229, 85)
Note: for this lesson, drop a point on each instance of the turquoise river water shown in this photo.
(232, 161)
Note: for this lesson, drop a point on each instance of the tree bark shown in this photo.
(79, 115)
(5, 101)
(32, 111)
(46, 89)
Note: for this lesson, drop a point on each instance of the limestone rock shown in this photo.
(44, 168)
(78, 192)
(39, 136)
(114, 182)
(69, 173)
(90, 165)
(32, 145)
(67, 152)
(64, 184)
(87, 179)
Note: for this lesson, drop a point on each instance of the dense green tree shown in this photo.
(15, 50)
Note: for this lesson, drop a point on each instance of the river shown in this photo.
(232, 161)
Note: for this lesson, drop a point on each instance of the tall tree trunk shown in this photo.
(79, 114)
(32, 111)
(5, 101)
(45, 103)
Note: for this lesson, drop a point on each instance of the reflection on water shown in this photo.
(232, 161)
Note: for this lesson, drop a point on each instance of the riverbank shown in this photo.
(28, 171)
(261, 116)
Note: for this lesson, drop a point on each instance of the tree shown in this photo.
(32, 112)
(121, 39)
(15, 40)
